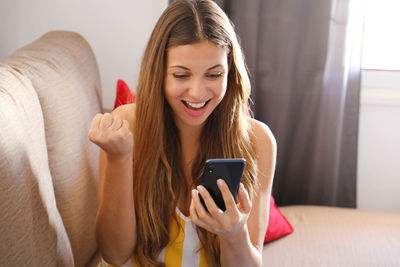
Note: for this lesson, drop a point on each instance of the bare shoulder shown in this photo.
(262, 138)
(126, 112)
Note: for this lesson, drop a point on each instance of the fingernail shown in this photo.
(241, 187)
(200, 188)
(193, 193)
(220, 182)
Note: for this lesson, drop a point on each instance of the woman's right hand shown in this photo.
(112, 134)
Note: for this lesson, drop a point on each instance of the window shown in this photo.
(381, 44)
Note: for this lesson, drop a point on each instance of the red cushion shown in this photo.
(124, 95)
(278, 226)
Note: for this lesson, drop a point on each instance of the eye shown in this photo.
(215, 75)
(180, 76)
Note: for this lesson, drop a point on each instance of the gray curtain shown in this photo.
(304, 61)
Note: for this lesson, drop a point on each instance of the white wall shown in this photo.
(117, 31)
(378, 179)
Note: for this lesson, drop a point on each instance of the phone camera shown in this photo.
(211, 169)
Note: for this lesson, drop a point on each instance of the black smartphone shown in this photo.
(230, 170)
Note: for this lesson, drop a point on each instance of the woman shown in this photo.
(191, 105)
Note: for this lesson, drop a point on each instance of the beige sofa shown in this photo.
(49, 92)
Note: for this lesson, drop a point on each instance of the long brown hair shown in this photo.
(157, 165)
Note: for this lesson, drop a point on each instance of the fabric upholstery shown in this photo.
(62, 70)
(30, 222)
(331, 236)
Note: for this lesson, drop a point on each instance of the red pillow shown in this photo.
(124, 95)
(278, 226)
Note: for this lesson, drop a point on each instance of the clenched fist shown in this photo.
(112, 134)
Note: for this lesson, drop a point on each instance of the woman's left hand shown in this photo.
(227, 224)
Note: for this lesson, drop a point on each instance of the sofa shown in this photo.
(49, 93)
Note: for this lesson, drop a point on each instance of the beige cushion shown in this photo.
(63, 70)
(31, 229)
(328, 236)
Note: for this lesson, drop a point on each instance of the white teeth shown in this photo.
(196, 105)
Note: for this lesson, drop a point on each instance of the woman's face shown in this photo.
(195, 81)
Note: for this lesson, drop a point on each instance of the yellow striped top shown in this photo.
(180, 251)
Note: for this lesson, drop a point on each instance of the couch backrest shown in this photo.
(60, 72)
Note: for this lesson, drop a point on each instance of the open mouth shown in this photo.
(195, 106)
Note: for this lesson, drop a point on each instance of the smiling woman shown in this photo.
(195, 81)
(191, 105)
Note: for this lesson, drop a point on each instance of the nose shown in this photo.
(197, 90)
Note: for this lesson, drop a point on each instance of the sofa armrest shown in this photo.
(32, 232)
(63, 71)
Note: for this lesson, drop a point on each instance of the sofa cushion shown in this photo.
(31, 229)
(331, 236)
(64, 73)
(124, 94)
(278, 225)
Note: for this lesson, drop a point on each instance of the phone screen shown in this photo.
(230, 170)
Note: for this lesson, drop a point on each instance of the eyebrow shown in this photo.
(185, 68)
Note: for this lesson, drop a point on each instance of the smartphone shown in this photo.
(230, 170)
